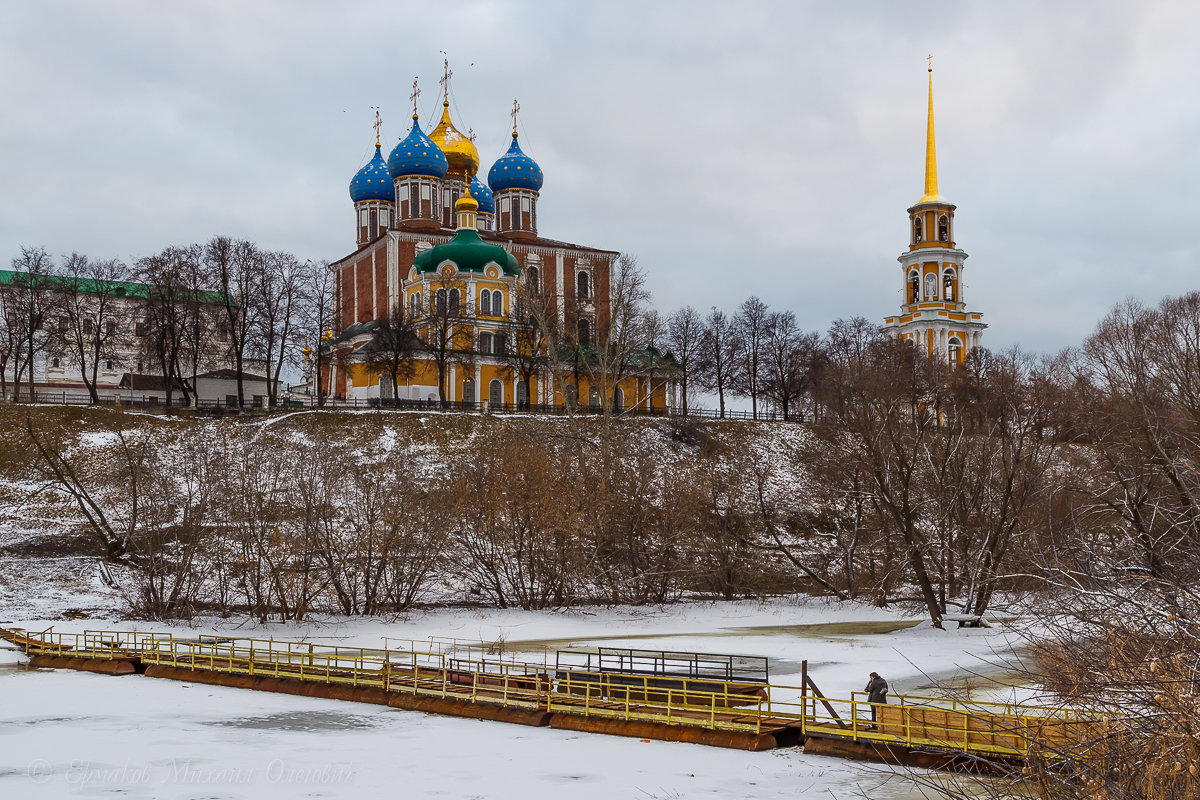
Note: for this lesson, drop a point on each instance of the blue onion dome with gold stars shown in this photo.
(515, 170)
(373, 182)
(417, 155)
(483, 195)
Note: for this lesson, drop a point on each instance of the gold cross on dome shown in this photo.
(516, 108)
(445, 81)
(378, 124)
(929, 61)
(415, 94)
(471, 134)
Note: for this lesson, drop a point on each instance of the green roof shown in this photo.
(469, 252)
(139, 291)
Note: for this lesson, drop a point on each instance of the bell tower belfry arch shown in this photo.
(933, 314)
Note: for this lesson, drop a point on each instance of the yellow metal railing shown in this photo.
(471, 672)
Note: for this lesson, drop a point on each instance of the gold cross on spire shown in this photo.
(415, 94)
(929, 61)
(516, 108)
(378, 125)
(445, 81)
(471, 134)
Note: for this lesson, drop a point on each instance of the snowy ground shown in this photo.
(69, 734)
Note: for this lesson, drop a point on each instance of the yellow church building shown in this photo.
(502, 316)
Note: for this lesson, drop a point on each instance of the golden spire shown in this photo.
(931, 187)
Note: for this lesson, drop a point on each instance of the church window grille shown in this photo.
(917, 230)
(414, 304)
(943, 229)
(485, 302)
(931, 286)
(497, 303)
(952, 349)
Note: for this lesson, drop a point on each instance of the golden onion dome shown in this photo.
(460, 151)
(466, 202)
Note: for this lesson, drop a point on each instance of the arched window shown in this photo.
(953, 348)
(468, 390)
(943, 228)
(931, 287)
(495, 393)
(522, 395)
(533, 279)
(618, 400)
(497, 303)
(454, 302)
(594, 399)
(948, 284)
(917, 230)
(54, 363)
(572, 394)
(914, 286)
(439, 302)
(485, 342)
(485, 302)
(584, 328)
(414, 304)
(584, 285)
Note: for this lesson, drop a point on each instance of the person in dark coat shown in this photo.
(877, 689)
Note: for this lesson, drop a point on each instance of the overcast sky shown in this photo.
(735, 148)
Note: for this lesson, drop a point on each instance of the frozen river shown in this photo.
(70, 734)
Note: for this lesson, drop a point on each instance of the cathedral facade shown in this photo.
(498, 312)
(934, 315)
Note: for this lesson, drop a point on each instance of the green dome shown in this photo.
(469, 252)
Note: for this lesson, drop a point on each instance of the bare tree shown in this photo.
(684, 340)
(719, 346)
(30, 301)
(393, 345)
(236, 268)
(625, 309)
(445, 332)
(750, 322)
(788, 359)
(93, 324)
(317, 318)
(278, 297)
